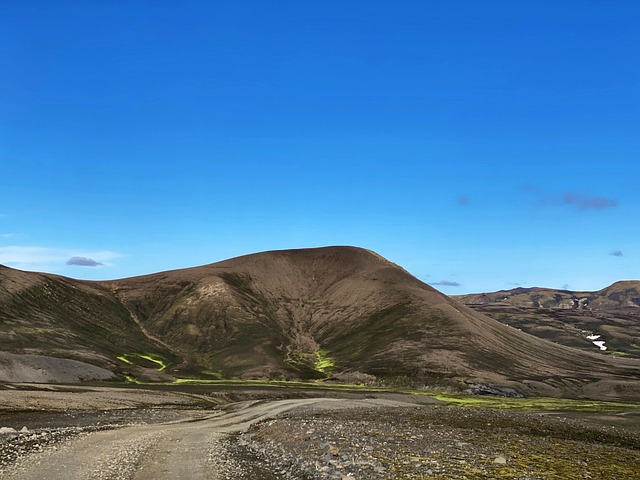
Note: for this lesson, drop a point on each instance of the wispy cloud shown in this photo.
(446, 283)
(463, 200)
(582, 201)
(49, 259)
(588, 202)
(84, 262)
(532, 189)
(617, 253)
(8, 235)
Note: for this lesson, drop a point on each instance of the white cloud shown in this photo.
(446, 283)
(48, 259)
(580, 201)
(84, 262)
(8, 235)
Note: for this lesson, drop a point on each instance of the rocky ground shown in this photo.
(372, 439)
(47, 431)
(440, 442)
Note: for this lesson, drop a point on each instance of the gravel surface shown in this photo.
(441, 442)
(310, 439)
(42, 432)
(193, 446)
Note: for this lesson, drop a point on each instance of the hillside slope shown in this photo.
(294, 314)
(606, 321)
(618, 295)
(42, 314)
(307, 313)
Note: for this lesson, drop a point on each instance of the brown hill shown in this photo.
(310, 314)
(619, 295)
(50, 315)
(578, 319)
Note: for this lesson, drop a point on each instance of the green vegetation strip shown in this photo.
(451, 399)
(124, 359)
(540, 403)
(324, 363)
(280, 384)
(157, 359)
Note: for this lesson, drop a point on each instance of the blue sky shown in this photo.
(480, 145)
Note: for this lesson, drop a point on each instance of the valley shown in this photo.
(301, 432)
(329, 363)
(338, 314)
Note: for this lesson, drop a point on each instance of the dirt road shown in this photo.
(186, 449)
(372, 438)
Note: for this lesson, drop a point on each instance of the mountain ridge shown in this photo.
(605, 320)
(315, 313)
(623, 293)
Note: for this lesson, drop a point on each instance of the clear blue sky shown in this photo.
(480, 145)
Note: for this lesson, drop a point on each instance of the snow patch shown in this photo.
(595, 339)
(599, 343)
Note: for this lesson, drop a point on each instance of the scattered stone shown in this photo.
(375, 444)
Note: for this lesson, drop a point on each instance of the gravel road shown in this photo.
(192, 448)
(318, 439)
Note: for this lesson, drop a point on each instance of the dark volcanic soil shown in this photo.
(370, 437)
(291, 314)
(441, 442)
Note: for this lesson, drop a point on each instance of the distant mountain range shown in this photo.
(337, 312)
(619, 295)
(607, 320)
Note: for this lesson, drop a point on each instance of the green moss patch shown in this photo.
(533, 404)
(145, 360)
(324, 363)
